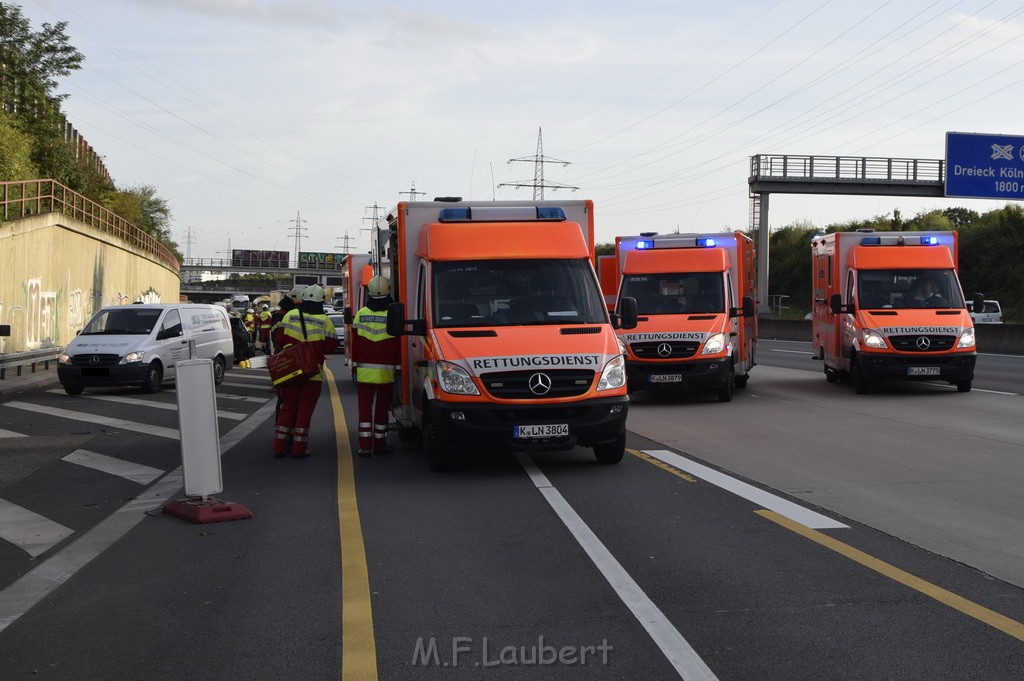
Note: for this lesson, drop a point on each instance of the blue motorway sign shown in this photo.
(984, 166)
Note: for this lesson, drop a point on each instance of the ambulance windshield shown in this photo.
(515, 292)
(901, 289)
(675, 293)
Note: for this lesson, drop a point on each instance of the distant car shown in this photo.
(991, 314)
(338, 320)
(245, 347)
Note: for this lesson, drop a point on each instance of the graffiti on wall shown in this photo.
(40, 315)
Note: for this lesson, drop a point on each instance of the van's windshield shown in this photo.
(515, 292)
(675, 292)
(123, 321)
(902, 289)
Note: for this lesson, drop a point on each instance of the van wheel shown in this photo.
(77, 388)
(961, 386)
(439, 459)
(611, 452)
(725, 393)
(154, 377)
(218, 370)
(831, 375)
(741, 381)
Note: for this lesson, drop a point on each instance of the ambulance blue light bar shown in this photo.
(501, 213)
(707, 242)
(644, 244)
(929, 241)
(871, 241)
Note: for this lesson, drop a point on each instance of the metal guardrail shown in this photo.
(847, 168)
(35, 197)
(30, 358)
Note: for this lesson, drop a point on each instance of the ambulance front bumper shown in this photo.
(476, 425)
(700, 373)
(896, 367)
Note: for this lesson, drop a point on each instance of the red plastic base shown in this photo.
(209, 511)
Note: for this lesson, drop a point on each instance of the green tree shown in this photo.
(144, 209)
(15, 151)
(32, 61)
(789, 269)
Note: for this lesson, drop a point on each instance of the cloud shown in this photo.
(312, 13)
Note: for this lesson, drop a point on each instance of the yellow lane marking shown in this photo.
(978, 612)
(662, 465)
(358, 647)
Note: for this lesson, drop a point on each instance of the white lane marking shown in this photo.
(793, 352)
(680, 654)
(243, 398)
(264, 385)
(159, 431)
(34, 586)
(153, 404)
(766, 500)
(994, 392)
(136, 472)
(28, 530)
(11, 433)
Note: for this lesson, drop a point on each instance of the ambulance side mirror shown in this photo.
(626, 317)
(397, 322)
(745, 310)
(835, 304)
(979, 302)
(347, 315)
(396, 319)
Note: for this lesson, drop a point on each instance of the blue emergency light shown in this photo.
(644, 244)
(871, 241)
(929, 241)
(706, 242)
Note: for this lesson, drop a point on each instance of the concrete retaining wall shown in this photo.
(998, 338)
(56, 272)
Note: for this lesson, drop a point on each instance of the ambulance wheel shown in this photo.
(73, 388)
(961, 386)
(611, 452)
(725, 393)
(741, 381)
(154, 377)
(831, 375)
(218, 370)
(439, 459)
(860, 382)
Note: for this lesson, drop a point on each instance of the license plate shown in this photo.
(922, 371)
(666, 378)
(547, 430)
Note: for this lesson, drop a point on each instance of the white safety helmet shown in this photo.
(297, 292)
(379, 287)
(313, 292)
(265, 306)
(250, 310)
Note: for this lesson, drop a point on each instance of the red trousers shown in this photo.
(374, 399)
(298, 400)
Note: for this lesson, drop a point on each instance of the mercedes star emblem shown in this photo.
(665, 349)
(540, 384)
(923, 343)
(95, 359)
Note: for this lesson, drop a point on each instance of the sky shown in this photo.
(267, 122)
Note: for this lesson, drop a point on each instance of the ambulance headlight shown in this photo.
(455, 380)
(614, 374)
(622, 346)
(966, 339)
(873, 339)
(132, 357)
(714, 345)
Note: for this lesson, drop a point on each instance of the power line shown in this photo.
(538, 161)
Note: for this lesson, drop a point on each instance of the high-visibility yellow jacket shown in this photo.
(319, 331)
(375, 353)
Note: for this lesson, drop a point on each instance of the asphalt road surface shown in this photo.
(798, 532)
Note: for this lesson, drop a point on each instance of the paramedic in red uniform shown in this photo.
(298, 400)
(375, 356)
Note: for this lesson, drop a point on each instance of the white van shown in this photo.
(141, 345)
(992, 314)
